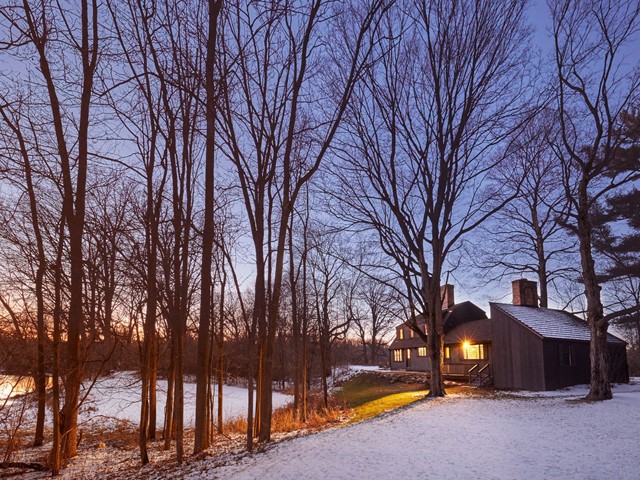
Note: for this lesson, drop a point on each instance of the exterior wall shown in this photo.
(457, 354)
(517, 355)
(618, 366)
(421, 364)
(559, 375)
(415, 362)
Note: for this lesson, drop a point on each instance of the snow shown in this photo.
(117, 397)
(502, 435)
(555, 435)
(342, 374)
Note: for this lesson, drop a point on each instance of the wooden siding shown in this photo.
(415, 363)
(558, 375)
(517, 355)
(618, 366)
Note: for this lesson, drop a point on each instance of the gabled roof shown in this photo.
(414, 342)
(460, 313)
(549, 323)
(475, 331)
(453, 317)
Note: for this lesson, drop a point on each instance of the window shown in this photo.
(401, 334)
(408, 354)
(422, 351)
(397, 355)
(411, 333)
(566, 355)
(473, 352)
(447, 352)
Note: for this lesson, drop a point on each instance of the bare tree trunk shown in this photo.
(56, 449)
(40, 378)
(220, 365)
(168, 408)
(600, 386)
(295, 324)
(203, 374)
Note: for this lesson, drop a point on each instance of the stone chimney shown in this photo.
(446, 294)
(525, 293)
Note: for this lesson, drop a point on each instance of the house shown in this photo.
(522, 346)
(545, 349)
(467, 340)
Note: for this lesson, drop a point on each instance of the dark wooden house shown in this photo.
(545, 349)
(467, 340)
(522, 346)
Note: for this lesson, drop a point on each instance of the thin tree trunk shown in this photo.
(220, 366)
(168, 409)
(203, 374)
(56, 450)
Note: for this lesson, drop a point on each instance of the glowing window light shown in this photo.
(473, 352)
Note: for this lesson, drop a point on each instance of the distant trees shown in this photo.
(379, 313)
(528, 235)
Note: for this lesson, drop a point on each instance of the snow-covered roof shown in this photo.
(550, 323)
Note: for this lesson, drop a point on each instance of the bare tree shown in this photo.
(528, 235)
(278, 123)
(203, 373)
(593, 86)
(424, 131)
(380, 314)
(12, 115)
(76, 42)
(333, 299)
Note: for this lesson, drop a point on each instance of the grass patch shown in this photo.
(370, 395)
(285, 420)
(385, 404)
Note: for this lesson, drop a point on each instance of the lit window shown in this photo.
(447, 352)
(411, 333)
(408, 354)
(566, 355)
(397, 355)
(401, 334)
(473, 352)
(422, 351)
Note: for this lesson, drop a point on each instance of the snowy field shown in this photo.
(118, 397)
(507, 435)
(551, 436)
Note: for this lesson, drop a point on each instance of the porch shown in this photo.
(474, 373)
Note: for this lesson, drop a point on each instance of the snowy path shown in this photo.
(459, 437)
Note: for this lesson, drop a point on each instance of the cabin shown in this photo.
(467, 340)
(521, 346)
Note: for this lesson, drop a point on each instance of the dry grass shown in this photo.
(123, 435)
(285, 420)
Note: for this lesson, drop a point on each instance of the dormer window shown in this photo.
(401, 334)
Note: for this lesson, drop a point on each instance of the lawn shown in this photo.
(370, 395)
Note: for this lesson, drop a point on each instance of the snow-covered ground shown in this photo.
(503, 437)
(507, 435)
(118, 397)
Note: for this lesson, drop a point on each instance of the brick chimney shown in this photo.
(525, 293)
(446, 294)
